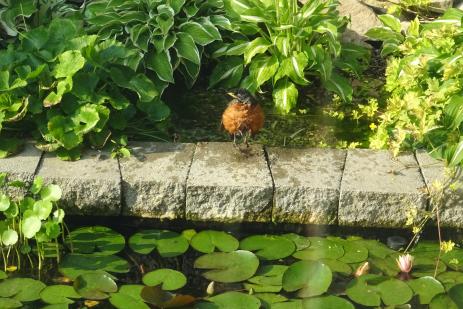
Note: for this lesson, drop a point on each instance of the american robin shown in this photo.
(243, 116)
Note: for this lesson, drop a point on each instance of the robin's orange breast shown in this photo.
(242, 118)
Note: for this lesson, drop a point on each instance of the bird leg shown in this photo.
(246, 137)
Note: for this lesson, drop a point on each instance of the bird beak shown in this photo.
(232, 95)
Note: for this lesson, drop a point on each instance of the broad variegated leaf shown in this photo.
(285, 95)
(263, 68)
(340, 86)
(257, 46)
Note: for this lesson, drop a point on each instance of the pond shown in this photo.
(101, 268)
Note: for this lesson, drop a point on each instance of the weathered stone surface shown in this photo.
(377, 189)
(91, 185)
(451, 211)
(154, 180)
(226, 184)
(21, 167)
(362, 19)
(307, 183)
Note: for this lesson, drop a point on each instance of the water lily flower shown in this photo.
(362, 269)
(405, 263)
(210, 288)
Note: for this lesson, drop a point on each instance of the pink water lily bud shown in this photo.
(362, 270)
(405, 263)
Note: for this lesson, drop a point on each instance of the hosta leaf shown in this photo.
(186, 48)
(391, 22)
(199, 33)
(257, 46)
(285, 95)
(263, 69)
(70, 62)
(230, 69)
(340, 86)
(160, 63)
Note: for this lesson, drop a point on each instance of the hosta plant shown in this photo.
(71, 88)
(30, 225)
(168, 35)
(424, 73)
(287, 45)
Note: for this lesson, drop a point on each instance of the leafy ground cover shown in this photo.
(214, 269)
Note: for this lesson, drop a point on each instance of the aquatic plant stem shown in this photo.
(440, 240)
(4, 259)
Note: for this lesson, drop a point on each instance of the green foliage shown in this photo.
(166, 36)
(32, 220)
(286, 44)
(72, 88)
(425, 105)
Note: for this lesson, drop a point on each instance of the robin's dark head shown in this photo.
(243, 96)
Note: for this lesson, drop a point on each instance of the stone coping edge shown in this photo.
(220, 182)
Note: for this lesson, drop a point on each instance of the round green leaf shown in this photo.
(21, 289)
(75, 264)
(4, 202)
(233, 300)
(270, 298)
(375, 248)
(424, 266)
(320, 248)
(394, 292)
(95, 285)
(450, 278)
(426, 288)
(3, 275)
(362, 291)
(268, 247)
(353, 252)
(128, 296)
(333, 302)
(269, 275)
(229, 267)
(51, 193)
(301, 242)
(208, 241)
(337, 266)
(7, 303)
(30, 226)
(96, 239)
(59, 294)
(9, 237)
(167, 243)
(42, 209)
(456, 294)
(442, 301)
(310, 278)
(169, 278)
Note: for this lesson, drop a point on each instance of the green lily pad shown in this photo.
(394, 292)
(375, 248)
(267, 299)
(189, 234)
(229, 267)
(301, 242)
(268, 247)
(96, 239)
(450, 278)
(456, 294)
(354, 252)
(3, 275)
(59, 294)
(337, 266)
(75, 264)
(57, 306)
(232, 300)
(443, 301)
(310, 278)
(7, 303)
(426, 288)
(163, 299)
(362, 290)
(320, 248)
(269, 275)
(208, 241)
(167, 243)
(327, 302)
(454, 259)
(424, 266)
(95, 285)
(169, 279)
(259, 288)
(128, 296)
(292, 304)
(387, 266)
(21, 289)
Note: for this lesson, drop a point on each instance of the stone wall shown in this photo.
(222, 183)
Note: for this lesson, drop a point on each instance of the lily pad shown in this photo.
(169, 279)
(229, 267)
(375, 248)
(269, 275)
(59, 294)
(163, 299)
(454, 259)
(267, 299)
(96, 239)
(426, 288)
(309, 278)
(269, 247)
(3, 275)
(75, 264)
(128, 296)
(301, 242)
(320, 248)
(443, 301)
(232, 300)
(327, 302)
(450, 278)
(7, 303)
(21, 289)
(354, 252)
(424, 266)
(337, 266)
(292, 304)
(95, 285)
(167, 243)
(456, 294)
(387, 266)
(209, 241)
(394, 292)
